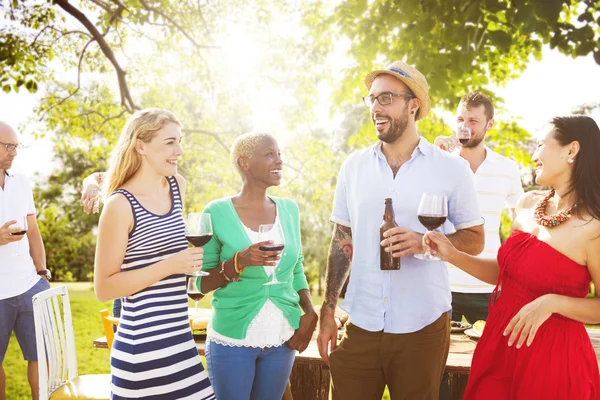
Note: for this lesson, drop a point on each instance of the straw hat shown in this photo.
(411, 78)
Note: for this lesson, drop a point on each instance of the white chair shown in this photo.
(57, 362)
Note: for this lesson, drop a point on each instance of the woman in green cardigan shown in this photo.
(256, 328)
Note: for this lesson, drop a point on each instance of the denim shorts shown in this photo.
(16, 314)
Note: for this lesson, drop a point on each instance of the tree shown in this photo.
(458, 45)
(158, 56)
(40, 32)
(127, 54)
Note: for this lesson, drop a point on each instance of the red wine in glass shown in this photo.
(463, 134)
(193, 290)
(265, 232)
(198, 240)
(19, 229)
(198, 232)
(432, 222)
(272, 247)
(195, 296)
(432, 213)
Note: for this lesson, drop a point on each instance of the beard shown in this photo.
(396, 127)
(476, 139)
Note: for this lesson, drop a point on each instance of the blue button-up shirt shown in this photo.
(415, 296)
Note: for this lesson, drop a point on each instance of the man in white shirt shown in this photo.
(498, 184)
(399, 329)
(23, 270)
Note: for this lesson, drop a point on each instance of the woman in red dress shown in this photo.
(534, 345)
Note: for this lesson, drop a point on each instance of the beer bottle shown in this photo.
(387, 262)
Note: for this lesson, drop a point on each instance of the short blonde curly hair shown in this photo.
(244, 145)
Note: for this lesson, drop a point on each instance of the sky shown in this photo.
(554, 86)
(550, 87)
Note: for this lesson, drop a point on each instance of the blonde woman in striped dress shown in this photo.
(142, 257)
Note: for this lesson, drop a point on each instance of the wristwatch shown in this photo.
(45, 273)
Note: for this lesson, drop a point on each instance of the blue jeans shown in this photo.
(240, 373)
(117, 308)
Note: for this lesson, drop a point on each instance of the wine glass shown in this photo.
(193, 290)
(272, 232)
(463, 133)
(198, 232)
(19, 229)
(432, 213)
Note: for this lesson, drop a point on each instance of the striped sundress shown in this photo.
(153, 355)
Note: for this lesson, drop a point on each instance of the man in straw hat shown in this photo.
(399, 330)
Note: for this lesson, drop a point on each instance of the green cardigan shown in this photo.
(236, 304)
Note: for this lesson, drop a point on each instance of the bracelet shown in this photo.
(237, 265)
(227, 277)
(224, 275)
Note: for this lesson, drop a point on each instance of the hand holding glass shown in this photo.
(19, 229)
(265, 233)
(198, 231)
(432, 213)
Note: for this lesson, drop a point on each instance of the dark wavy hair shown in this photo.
(585, 180)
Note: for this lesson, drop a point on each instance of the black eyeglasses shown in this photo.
(384, 98)
(11, 146)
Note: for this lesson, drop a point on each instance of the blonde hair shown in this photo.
(125, 160)
(244, 145)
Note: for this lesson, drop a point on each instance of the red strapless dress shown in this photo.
(561, 362)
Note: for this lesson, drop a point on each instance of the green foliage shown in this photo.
(510, 140)
(433, 126)
(459, 46)
(312, 186)
(82, 133)
(505, 225)
(71, 257)
(24, 58)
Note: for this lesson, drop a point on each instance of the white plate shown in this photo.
(463, 327)
(473, 333)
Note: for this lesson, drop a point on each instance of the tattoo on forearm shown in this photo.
(338, 264)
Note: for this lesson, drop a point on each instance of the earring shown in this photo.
(412, 112)
(570, 161)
